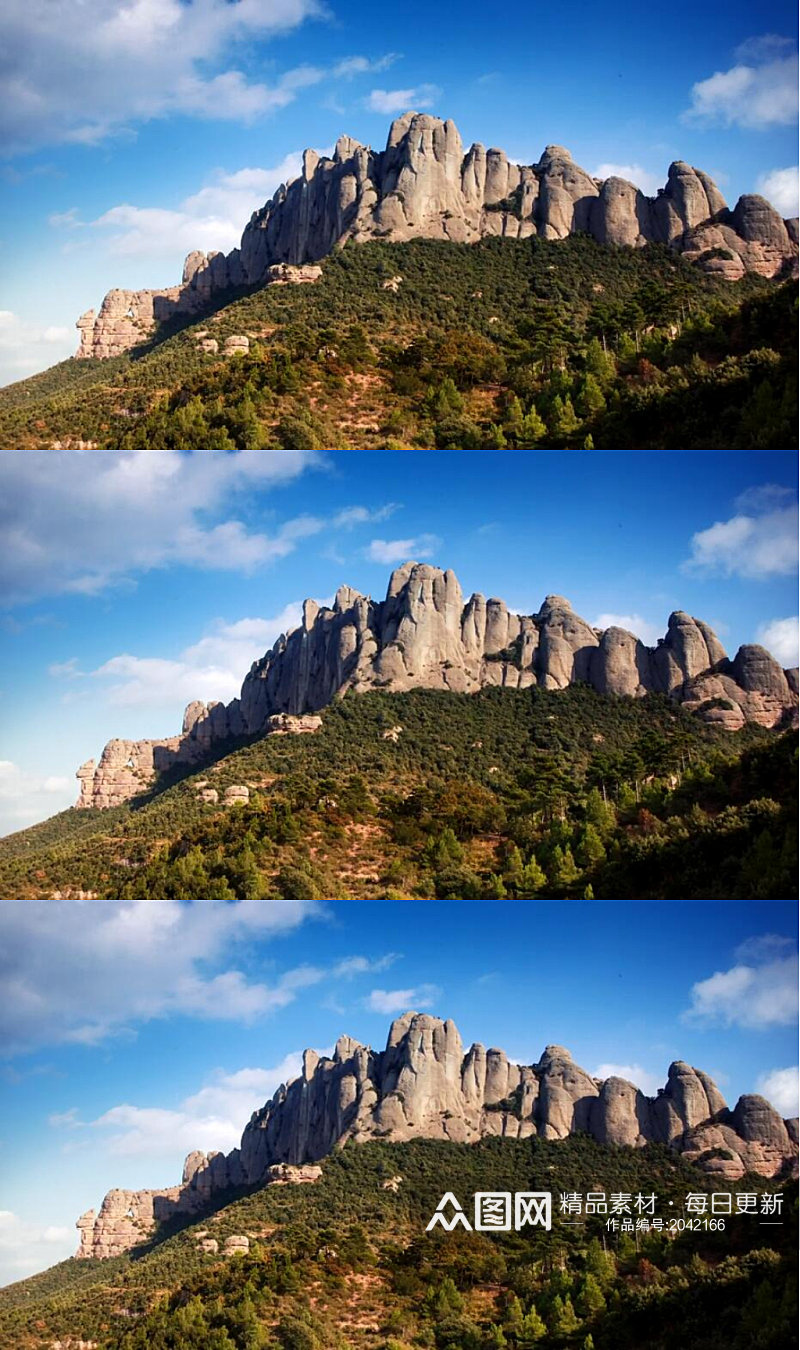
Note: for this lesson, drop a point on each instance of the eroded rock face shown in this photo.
(424, 1085)
(424, 185)
(425, 636)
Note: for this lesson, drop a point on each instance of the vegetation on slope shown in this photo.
(502, 343)
(346, 1264)
(503, 793)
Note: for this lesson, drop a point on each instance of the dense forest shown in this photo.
(346, 1264)
(504, 343)
(506, 793)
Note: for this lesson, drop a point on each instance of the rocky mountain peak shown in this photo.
(424, 1085)
(424, 635)
(424, 185)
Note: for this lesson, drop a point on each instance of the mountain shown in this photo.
(502, 792)
(424, 185)
(504, 342)
(425, 636)
(347, 1264)
(423, 1085)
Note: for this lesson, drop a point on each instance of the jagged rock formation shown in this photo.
(423, 1085)
(424, 635)
(423, 185)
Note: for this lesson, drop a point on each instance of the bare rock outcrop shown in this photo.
(425, 185)
(424, 635)
(424, 1085)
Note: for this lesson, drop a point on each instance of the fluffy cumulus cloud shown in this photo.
(632, 623)
(79, 521)
(388, 102)
(632, 1073)
(212, 218)
(70, 80)
(391, 551)
(758, 991)
(26, 1247)
(632, 173)
(27, 347)
(26, 797)
(782, 1088)
(81, 971)
(760, 540)
(391, 1001)
(212, 668)
(782, 638)
(211, 1118)
(780, 186)
(758, 91)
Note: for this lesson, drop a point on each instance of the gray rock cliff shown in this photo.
(425, 185)
(424, 635)
(424, 1085)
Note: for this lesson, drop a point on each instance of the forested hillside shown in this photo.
(346, 1263)
(523, 794)
(513, 343)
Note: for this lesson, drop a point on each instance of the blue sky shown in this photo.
(141, 1031)
(135, 583)
(161, 125)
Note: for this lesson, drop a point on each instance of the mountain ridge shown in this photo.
(424, 185)
(424, 635)
(424, 1085)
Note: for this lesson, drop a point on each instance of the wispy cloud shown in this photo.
(648, 1081)
(80, 521)
(390, 1001)
(391, 101)
(79, 972)
(759, 91)
(782, 638)
(782, 188)
(759, 991)
(389, 551)
(781, 1087)
(759, 541)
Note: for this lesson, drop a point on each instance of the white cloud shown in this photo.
(759, 991)
(782, 188)
(81, 971)
(26, 1247)
(361, 65)
(350, 516)
(211, 1118)
(759, 91)
(390, 101)
(389, 551)
(782, 638)
(632, 173)
(70, 80)
(781, 1087)
(632, 623)
(27, 797)
(212, 218)
(80, 521)
(759, 541)
(389, 1001)
(26, 347)
(212, 668)
(352, 966)
(632, 1073)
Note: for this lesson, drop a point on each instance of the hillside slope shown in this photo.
(528, 343)
(345, 1263)
(503, 792)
